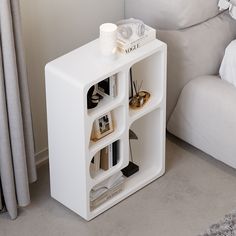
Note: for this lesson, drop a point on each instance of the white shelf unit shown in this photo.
(68, 80)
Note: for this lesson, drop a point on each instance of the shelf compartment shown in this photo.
(106, 92)
(148, 151)
(131, 185)
(122, 161)
(106, 189)
(148, 74)
(105, 159)
(106, 196)
(107, 126)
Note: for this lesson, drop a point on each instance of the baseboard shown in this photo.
(41, 157)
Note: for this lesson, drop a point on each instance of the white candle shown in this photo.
(108, 39)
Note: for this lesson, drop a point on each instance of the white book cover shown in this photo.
(97, 161)
(110, 155)
(113, 86)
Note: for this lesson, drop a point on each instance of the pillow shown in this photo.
(228, 65)
(171, 14)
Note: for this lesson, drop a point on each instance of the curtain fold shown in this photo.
(17, 164)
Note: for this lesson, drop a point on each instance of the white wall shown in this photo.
(50, 29)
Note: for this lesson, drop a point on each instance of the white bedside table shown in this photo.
(70, 123)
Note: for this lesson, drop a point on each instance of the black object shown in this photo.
(93, 99)
(90, 92)
(104, 86)
(115, 153)
(130, 169)
(90, 103)
(132, 135)
(131, 92)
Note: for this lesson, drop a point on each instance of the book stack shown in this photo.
(128, 45)
(106, 190)
(105, 159)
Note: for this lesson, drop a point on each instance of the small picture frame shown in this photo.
(102, 126)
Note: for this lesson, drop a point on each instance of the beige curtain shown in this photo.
(17, 165)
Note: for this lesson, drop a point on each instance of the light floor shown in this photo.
(195, 192)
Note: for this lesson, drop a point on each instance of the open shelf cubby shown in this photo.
(147, 74)
(104, 194)
(77, 135)
(105, 92)
(147, 150)
(107, 127)
(105, 159)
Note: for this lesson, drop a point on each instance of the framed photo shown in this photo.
(102, 126)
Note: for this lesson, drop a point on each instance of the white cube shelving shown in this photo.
(68, 80)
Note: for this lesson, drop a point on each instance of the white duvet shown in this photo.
(228, 65)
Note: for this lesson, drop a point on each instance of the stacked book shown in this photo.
(128, 45)
(106, 190)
